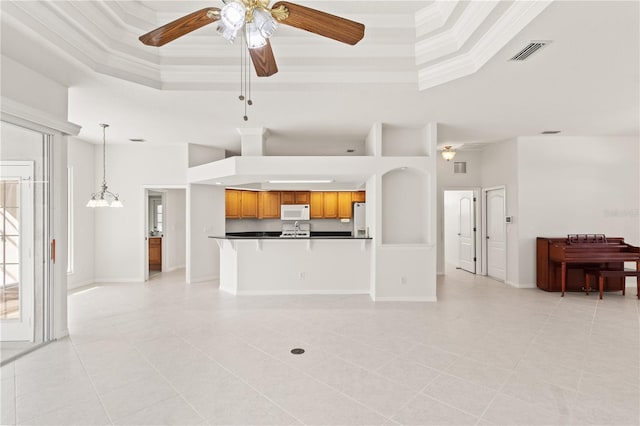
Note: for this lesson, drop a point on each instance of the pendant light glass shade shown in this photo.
(448, 153)
(104, 197)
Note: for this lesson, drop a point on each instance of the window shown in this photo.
(159, 217)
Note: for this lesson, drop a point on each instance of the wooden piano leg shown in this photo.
(601, 285)
(563, 274)
(587, 284)
(638, 279)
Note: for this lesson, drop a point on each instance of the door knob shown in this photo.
(487, 237)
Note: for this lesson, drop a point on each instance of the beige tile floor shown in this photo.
(166, 353)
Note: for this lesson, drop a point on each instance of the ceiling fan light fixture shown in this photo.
(255, 39)
(228, 33)
(233, 15)
(264, 22)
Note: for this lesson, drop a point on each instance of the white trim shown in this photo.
(300, 292)
(203, 279)
(117, 280)
(516, 285)
(518, 16)
(71, 287)
(14, 112)
(406, 299)
(176, 267)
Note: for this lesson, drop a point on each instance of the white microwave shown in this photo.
(294, 212)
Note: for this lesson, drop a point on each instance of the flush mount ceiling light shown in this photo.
(256, 22)
(448, 153)
(104, 197)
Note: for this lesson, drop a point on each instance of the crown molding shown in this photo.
(515, 18)
(17, 110)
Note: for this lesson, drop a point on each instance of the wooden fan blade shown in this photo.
(263, 60)
(321, 23)
(181, 26)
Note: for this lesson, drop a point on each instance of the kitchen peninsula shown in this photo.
(294, 265)
(397, 169)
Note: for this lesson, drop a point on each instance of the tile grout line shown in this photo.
(106, 412)
(296, 368)
(499, 390)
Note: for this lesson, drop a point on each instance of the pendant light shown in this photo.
(448, 153)
(104, 197)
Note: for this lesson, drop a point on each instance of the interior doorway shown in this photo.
(165, 217)
(495, 233)
(461, 229)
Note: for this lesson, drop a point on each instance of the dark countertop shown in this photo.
(320, 235)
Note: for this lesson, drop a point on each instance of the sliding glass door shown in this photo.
(16, 250)
(24, 238)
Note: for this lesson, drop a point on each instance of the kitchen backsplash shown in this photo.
(275, 225)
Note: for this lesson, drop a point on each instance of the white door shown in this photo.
(466, 235)
(496, 234)
(16, 250)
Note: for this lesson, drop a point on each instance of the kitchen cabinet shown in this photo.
(155, 254)
(344, 205)
(316, 201)
(358, 196)
(294, 197)
(248, 204)
(269, 205)
(330, 205)
(232, 203)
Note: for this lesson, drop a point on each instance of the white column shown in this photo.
(252, 141)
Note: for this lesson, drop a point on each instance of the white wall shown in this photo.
(119, 233)
(24, 85)
(576, 185)
(206, 217)
(175, 230)
(81, 158)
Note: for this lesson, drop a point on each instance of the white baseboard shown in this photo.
(298, 292)
(75, 286)
(203, 279)
(406, 299)
(173, 268)
(526, 285)
(118, 280)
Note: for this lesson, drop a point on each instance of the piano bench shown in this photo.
(601, 274)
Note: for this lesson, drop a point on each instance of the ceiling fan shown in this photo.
(259, 22)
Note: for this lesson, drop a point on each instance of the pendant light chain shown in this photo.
(245, 76)
(102, 197)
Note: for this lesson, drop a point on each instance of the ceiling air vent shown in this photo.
(529, 50)
(460, 167)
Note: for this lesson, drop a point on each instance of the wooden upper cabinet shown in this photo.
(232, 203)
(330, 202)
(302, 197)
(249, 204)
(344, 205)
(287, 197)
(358, 196)
(294, 197)
(316, 201)
(269, 205)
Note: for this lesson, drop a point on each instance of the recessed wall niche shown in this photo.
(405, 207)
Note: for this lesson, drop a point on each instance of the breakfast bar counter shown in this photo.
(317, 264)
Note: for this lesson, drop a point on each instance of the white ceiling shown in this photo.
(420, 62)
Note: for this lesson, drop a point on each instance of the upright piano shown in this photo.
(561, 260)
